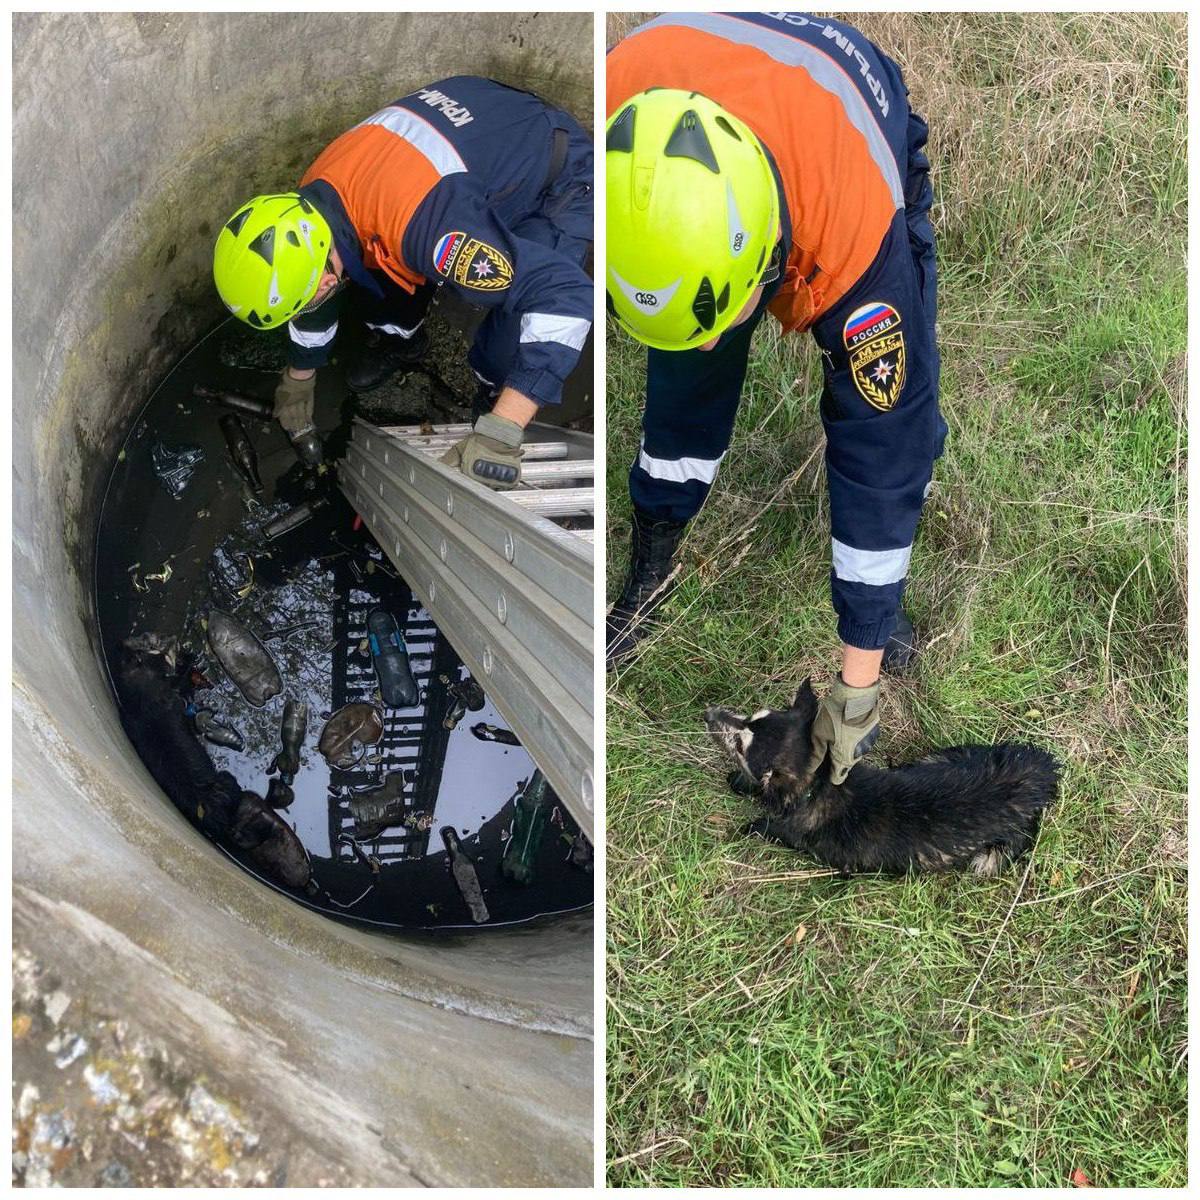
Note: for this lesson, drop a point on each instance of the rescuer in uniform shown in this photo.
(465, 183)
(763, 162)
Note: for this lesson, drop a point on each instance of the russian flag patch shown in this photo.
(445, 252)
(869, 322)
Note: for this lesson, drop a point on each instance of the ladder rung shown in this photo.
(555, 502)
(404, 433)
(577, 468)
(533, 451)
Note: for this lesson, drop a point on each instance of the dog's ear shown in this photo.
(781, 788)
(805, 696)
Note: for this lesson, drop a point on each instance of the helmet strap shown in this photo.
(774, 267)
(316, 302)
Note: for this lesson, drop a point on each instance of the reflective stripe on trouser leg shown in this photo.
(311, 338)
(671, 488)
(874, 567)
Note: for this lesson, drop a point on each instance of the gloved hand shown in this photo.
(846, 727)
(491, 453)
(294, 399)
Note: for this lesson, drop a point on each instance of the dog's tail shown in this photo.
(1014, 783)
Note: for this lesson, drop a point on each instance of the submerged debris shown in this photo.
(493, 733)
(175, 468)
(162, 576)
(232, 572)
(353, 723)
(375, 810)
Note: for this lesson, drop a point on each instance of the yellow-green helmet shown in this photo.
(269, 258)
(693, 216)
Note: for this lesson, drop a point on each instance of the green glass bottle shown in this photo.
(529, 823)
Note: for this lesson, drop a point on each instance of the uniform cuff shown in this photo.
(869, 635)
(540, 386)
(307, 359)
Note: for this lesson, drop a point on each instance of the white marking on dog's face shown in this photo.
(730, 733)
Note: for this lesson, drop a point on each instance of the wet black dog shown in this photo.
(152, 712)
(966, 806)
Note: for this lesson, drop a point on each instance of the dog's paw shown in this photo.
(760, 827)
(742, 784)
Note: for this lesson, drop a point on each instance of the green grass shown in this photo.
(770, 1025)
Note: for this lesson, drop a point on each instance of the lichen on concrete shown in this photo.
(99, 1104)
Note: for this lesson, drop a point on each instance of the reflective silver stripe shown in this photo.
(419, 133)
(546, 327)
(875, 567)
(823, 69)
(679, 470)
(395, 330)
(308, 338)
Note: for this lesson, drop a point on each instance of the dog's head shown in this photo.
(772, 746)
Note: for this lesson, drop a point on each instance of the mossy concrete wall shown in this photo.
(134, 135)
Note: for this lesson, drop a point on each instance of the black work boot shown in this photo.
(382, 355)
(652, 547)
(901, 648)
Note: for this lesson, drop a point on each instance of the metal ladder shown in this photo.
(504, 574)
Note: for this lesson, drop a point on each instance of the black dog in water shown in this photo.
(976, 806)
(153, 715)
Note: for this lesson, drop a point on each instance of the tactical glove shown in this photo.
(491, 453)
(294, 400)
(846, 727)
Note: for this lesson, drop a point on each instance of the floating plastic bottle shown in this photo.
(390, 656)
(214, 731)
(244, 658)
(291, 733)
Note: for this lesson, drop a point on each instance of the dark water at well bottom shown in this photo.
(164, 562)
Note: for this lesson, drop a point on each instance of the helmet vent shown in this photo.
(620, 133)
(264, 245)
(688, 140)
(609, 303)
(723, 299)
(704, 307)
(721, 123)
(255, 320)
(237, 221)
(293, 240)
